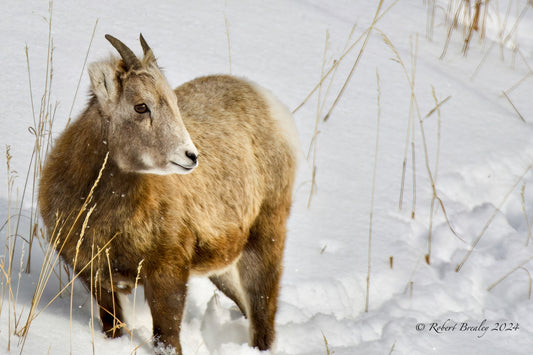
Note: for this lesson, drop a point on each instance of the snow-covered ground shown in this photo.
(481, 176)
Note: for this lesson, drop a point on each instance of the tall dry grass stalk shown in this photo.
(78, 244)
(314, 140)
(368, 32)
(524, 210)
(6, 280)
(328, 351)
(92, 288)
(82, 71)
(321, 101)
(392, 348)
(507, 93)
(430, 19)
(343, 56)
(520, 266)
(17, 240)
(57, 241)
(491, 218)
(410, 135)
(470, 16)
(514, 107)
(414, 56)
(370, 223)
(436, 171)
(226, 25)
(137, 278)
(112, 291)
(414, 102)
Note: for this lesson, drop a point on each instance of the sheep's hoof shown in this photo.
(113, 332)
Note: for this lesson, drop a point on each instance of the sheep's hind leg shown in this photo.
(260, 269)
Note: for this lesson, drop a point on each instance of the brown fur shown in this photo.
(229, 214)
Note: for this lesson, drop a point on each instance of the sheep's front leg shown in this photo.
(110, 307)
(110, 313)
(165, 293)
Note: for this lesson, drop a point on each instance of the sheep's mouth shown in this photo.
(184, 167)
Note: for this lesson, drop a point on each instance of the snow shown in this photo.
(483, 179)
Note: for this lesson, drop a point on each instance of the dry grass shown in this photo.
(57, 241)
(370, 223)
(434, 197)
(367, 34)
(415, 112)
(14, 235)
(19, 244)
(472, 15)
(226, 24)
(82, 71)
(328, 351)
(491, 218)
(338, 61)
(469, 18)
(314, 140)
(524, 210)
(330, 73)
(460, 13)
(520, 266)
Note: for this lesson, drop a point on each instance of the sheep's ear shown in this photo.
(104, 82)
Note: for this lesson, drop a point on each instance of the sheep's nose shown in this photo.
(192, 156)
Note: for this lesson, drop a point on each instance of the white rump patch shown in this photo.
(284, 118)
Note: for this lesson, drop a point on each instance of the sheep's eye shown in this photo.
(141, 108)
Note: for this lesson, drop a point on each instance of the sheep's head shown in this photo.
(145, 131)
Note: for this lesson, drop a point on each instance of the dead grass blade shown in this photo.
(348, 79)
(523, 202)
(316, 132)
(50, 262)
(434, 197)
(137, 278)
(489, 221)
(370, 223)
(520, 266)
(421, 125)
(328, 352)
(226, 24)
(514, 107)
(341, 58)
(82, 71)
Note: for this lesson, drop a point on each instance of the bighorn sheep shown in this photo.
(195, 181)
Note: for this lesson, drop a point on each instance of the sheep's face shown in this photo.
(145, 131)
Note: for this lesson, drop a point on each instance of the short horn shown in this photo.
(130, 59)
(146, 47)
